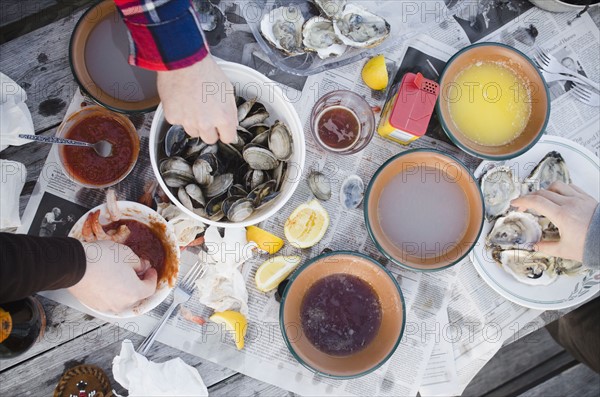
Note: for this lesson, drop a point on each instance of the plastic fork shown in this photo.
(549, 64)
(586, 95)
(182, 293)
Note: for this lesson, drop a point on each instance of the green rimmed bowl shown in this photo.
(413, 161)
(522, 66)
(388, 335)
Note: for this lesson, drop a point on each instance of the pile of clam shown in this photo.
(339, 25)
(228, 181)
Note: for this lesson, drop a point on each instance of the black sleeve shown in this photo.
(30, 264)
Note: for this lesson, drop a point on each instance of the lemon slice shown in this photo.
(307, 225)
(266, 241)
(274, 270)
(375, 74)
(234, 322)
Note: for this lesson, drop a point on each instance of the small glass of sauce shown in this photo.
(342, 122)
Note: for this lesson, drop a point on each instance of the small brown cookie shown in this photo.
(83, 381)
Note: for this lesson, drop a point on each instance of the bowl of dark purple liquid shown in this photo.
(342, 315)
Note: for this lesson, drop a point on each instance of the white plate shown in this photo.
(566, 291)
(145, 215)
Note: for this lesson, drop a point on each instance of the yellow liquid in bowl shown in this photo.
(489, 103)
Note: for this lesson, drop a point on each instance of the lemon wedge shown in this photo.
(266, 241)
(234, 322)
(307, 225)
(375, 74)
(274, 270)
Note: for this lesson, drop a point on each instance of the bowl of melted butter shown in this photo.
(494, 103)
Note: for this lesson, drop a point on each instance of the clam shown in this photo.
(237, 190)
(257, 114)
(228, 202)
(214, 209)
(196, 196)
(254, 178)
(352, 192)
(176, 172)
(261, 139)
(259, 128)
(280, 141)
(320, 186)
(203, 171)
(282, 28)
(318, 36)
(175, 141)
(259, 158)
(357, 27)
(219, 186)
(244, 108)
(240, 210)
(279, 173)
(258, 194)
(184, 198)
(193, 149)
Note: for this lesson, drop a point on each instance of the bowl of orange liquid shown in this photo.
(494, 102)
(342, 315)
(424, 210)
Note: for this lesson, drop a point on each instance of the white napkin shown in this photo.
(142, 377)
(13, 176)
(15, 117)
(223, 287)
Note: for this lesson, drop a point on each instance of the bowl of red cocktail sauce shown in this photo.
(342, 122)
(82, 164)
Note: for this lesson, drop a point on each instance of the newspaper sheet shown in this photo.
(455, 323)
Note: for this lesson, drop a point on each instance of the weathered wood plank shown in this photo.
(512, 361)
(577, 381)
(16, 10)
(62, 325)
(39, 62)
(39, 375)
(242, 385)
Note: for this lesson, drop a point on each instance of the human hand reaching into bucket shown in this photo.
(200, 98)
(570, 209)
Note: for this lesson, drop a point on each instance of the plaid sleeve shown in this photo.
(164, 34)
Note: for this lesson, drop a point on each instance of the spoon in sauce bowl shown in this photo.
(102, 148)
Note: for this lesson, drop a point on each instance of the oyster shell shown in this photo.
(499, 187)
(515, 230)
(330, 8)
(528, 267)
(282, 27)
(357, 27)
(551, 168)
(318, 36)
(352, 192)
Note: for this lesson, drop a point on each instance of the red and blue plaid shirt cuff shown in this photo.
(164, 34)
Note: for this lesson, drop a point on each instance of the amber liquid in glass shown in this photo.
(338, 128)
(340, 314)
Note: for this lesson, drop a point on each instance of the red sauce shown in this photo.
(147, 243)
(87, 166)
(338, 128)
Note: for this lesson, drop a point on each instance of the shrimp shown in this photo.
(86, 230)
(97, 227)
(112, 206)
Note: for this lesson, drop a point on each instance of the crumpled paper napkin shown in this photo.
(142, 377)
(13, 176)
(15, 117)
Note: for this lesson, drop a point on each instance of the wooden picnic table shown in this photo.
(38, 61)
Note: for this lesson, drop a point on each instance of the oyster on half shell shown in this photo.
(551, 168)
(330, 8)
(357, 27)
(515, 230)
(282, 27)
(528, 267)
(318, 36)
(499, 187)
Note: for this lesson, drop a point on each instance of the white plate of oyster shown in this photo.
(308, 36)
(504, 256)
